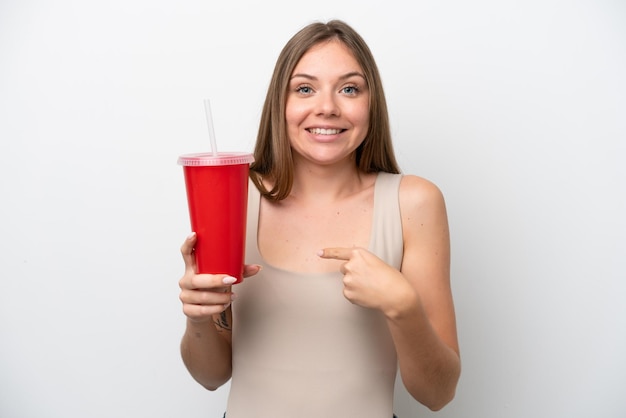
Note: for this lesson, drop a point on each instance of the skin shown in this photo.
(206, 300)
(325, 83)
(416, 300)
(323, 225)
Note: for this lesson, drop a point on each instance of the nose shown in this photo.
(327, 105)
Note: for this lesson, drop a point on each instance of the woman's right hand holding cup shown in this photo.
(205, 295)
(202, 295)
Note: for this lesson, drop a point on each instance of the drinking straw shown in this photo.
(209, 121)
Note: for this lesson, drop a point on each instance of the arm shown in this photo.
(417, 300)
(206, 343)
(422, 319)
(206, 351)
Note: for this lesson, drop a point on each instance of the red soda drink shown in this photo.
(217, 197)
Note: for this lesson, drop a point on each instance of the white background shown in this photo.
(516, 109)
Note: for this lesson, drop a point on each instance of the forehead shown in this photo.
(328, 56)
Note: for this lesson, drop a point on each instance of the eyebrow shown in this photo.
(343, 77)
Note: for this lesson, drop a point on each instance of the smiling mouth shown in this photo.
(322, 131)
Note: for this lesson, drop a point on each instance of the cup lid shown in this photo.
(222, 158)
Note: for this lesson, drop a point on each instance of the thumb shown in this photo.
(251, 269)
(187, 252)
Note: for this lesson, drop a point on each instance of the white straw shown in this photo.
(209, 121)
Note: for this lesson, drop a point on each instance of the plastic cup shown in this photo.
(217, 197)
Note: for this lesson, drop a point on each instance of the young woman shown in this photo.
(351, 259)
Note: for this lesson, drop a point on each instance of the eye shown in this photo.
(304, 90)
(350, 90)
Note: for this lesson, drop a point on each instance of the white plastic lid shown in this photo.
(222, 158)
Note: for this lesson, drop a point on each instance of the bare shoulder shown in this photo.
(424, 223)
(418, 194)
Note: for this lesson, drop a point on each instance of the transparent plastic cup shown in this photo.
(217, 197)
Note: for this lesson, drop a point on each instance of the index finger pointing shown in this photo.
(337, 253)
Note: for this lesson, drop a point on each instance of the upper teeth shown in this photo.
(322, 131)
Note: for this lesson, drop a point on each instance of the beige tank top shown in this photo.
(300, 349)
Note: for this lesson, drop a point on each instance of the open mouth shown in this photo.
(322, 131)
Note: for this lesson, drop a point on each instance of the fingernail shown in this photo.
(227, 305)
(229, 280)
(192, 235)
(233, 296)
(320, 253)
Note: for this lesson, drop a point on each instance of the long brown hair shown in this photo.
(272, 153)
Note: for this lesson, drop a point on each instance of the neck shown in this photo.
(325, 184)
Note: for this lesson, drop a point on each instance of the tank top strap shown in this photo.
(386, 236)
(252, 225)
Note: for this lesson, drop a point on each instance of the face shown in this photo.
(327, 109)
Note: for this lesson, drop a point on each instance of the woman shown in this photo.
(351, 258)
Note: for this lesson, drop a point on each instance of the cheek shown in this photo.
(293, 119)
(359, 112)
(362, 120)
(293, 113)
(366, 120)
